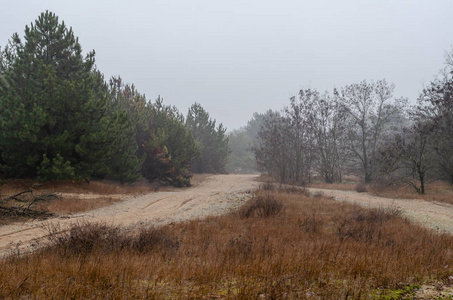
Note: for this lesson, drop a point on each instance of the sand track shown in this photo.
(434, 215)
(216, 195)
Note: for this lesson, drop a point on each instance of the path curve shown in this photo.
(435, 215)
(216, 195)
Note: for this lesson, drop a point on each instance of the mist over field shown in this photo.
(198, 149)
(241, 57)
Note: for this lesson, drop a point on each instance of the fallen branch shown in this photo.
(15, 197)
(23, 212)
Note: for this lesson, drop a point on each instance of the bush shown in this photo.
(262, 207)
(281, 188)
(361, 188)
(365, 224)
(82, 239)
(267, 186)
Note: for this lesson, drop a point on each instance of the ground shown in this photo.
(435, 215)
(215, 195)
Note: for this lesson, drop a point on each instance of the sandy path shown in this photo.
(216, 195)
(435, 215)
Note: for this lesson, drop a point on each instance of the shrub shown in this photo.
(267, 186)
(281, 188)
(82, 239)
(262, 207)
(361, 187)
(365, 224)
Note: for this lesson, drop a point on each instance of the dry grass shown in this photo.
(438, 191)
(103, 187)
(263, 207)
(68, 205)
(349, 186)
(48, 207)
(311, 248)
(68, 196)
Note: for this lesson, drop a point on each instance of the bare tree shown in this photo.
(369, 110)
(272, 153)
(301, 139)
(317, 133)
(436, 105)
(285, 145)
(323, 118)
(409, 158)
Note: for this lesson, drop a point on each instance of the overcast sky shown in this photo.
(238, 57)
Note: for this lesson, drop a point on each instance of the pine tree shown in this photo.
(166, 147)
(211, 140)
(171, 148)
(57, 119)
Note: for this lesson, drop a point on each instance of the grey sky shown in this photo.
(240, 57)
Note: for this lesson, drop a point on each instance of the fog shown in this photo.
(240, 57)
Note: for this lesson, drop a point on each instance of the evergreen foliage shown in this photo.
(170, 148)
(212, 141)
(60, 120)
(166, 147)
(57, 120)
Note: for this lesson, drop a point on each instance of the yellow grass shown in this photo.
(312, 248)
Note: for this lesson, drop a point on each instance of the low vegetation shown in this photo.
(282, 244)
(350, 186)
(438, 191)
(22, 200)
(102, 187)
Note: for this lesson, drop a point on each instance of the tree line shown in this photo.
(60, 119)
(361, 129)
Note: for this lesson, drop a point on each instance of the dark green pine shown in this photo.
(57, 120)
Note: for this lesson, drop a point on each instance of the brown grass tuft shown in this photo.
(262, 207)
(100, 239)
(361, 187)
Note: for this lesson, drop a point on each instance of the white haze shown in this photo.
(240, 57)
